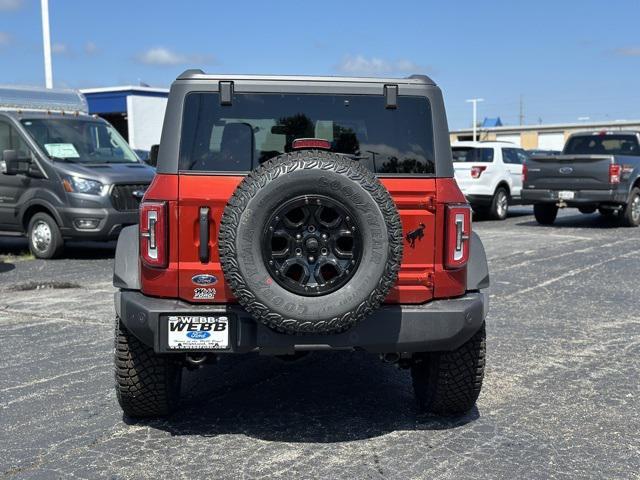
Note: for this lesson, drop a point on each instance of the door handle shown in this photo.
(204, 234)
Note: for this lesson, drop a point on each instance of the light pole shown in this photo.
(46, 39)
(474, 101)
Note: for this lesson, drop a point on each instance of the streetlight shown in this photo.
(474, 101)
(46, 39)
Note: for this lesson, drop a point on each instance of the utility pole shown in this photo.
(46, 39)
(521, 116)
(475, 101)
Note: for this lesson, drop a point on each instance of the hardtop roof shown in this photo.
(196, 74)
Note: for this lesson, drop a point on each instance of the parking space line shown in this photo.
(570, 273)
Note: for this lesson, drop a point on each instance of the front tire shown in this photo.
(448, 383)
(499, 207)
(631, 213)
(147, 384)
(45, 239)
(545, 213)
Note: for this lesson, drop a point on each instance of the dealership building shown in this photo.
(136, 112)
(543, 137)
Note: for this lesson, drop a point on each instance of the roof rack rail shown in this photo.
(190, 73)
(36, 98)
(420, 76)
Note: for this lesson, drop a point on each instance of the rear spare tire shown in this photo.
(310, 242)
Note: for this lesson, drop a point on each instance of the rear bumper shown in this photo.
(480, 200)
(440, 325)
(582, 197)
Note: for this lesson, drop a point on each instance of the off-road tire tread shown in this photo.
(249, 187)
(146, 384)
(448, 383)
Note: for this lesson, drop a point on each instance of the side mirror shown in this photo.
(153, 156)
(14, 164)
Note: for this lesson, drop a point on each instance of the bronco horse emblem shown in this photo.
(417, 234)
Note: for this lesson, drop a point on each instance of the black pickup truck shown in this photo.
(596, 171)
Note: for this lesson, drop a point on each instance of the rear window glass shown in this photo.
(472, 154)
(603, 145)
(257, 127)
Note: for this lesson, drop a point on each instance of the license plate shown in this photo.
(193, 332)
(566, 195)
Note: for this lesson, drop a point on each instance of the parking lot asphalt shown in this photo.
(561, 397)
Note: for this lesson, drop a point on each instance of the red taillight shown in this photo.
(614, 173)
(477, 171)
(153, 234)
(457, 235)
(524, 172)
(320, 143)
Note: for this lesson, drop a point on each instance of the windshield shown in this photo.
(79, 140)
(603, 145)
(471, 154)
(257, 127)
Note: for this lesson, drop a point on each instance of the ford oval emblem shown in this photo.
(566, 170)
(198, 335)
(204, 279)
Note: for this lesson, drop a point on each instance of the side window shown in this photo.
(510, 155)
(5, 137)
(486, 155)
(10, 139)
(522, 156)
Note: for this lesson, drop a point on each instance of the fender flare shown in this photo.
(477, 268)
(42, 203)
(126, 272)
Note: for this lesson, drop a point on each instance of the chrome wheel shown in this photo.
(635, 209)
(502, 204)
(41, 236)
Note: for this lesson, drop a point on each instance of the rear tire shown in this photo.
(448, 383)
(45, 239)
(545, 213)
(147, 384)
(499, 207)
(630, 215)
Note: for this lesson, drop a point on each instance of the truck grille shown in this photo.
(122, 197)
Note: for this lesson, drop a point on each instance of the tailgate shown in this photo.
(569, 172)
(414, 198)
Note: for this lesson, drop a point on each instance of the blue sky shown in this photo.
(568, 59)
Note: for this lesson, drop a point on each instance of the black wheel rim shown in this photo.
(312, 245)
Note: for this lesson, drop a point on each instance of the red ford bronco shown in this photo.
(293, 214)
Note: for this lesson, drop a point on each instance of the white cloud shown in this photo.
(5, 39)
(90, 48)
(164, 56)
(361, 65)
(6, 5)
(59, 49)
(628, 51)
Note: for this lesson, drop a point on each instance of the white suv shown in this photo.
(489, 174)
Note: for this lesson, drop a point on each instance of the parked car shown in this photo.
(311, 214)
(65, 174)
(596, 171)
(490, 175)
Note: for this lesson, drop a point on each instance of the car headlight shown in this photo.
(82, 185)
